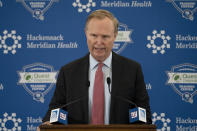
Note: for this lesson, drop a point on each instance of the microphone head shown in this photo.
(88, 83)
(59, 116)
(108, 80)
(137, 114)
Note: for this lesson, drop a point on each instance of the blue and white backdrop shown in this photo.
(37, 37)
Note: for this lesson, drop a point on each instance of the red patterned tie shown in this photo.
(98, 97)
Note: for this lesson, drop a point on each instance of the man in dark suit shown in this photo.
(124, 89)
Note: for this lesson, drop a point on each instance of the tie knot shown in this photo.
(100, 65)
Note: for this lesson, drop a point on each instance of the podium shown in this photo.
(74, 127)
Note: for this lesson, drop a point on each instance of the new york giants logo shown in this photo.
(134, 114)
(62, 116)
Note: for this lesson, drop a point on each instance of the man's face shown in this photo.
(100, 38)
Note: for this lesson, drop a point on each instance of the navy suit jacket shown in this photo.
(127, 82)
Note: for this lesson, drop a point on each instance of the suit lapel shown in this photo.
(85, 70)
(79, 83)
(116, 71)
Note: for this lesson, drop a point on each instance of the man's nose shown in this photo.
(99, 40)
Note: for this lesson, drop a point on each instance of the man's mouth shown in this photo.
(99, 48)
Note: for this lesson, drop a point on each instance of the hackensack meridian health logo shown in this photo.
(37, 7)
(86, 7)
(183, 79)
(9, 42)
(123, 38)
(158, 41)
(186, 7)
(161, 119)
(37, 79)
(10, 123)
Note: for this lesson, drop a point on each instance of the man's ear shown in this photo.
(115, 34)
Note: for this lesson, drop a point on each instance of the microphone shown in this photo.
(136, 114)
(119, 97)
(108, 83)
(59, 115)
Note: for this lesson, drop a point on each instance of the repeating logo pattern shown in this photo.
(148, 86)
(123, 38)
(10, 46)
(10, 123)
(1, 86)
(85, 7)
(155, 46)
(183, 79)
(186, 7)
(37, 7)
(161, 118)
(1, 4)
(37, 79)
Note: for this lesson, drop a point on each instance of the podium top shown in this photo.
(88, 127)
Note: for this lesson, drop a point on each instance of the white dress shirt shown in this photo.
(106, 73)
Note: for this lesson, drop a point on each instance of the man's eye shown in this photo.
(105, 36)
(93, 35)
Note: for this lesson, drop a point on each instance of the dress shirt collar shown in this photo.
(94, 62)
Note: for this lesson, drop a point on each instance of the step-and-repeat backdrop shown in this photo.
(37, 37)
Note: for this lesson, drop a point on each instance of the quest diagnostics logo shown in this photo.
(183, 79)
(84, 6)
(10, 123)
(158, 42)
(123, 38)
(186, 7)
(9, 42)
(37, 79)
(37, 7)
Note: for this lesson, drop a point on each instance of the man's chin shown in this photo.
(99, 58)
